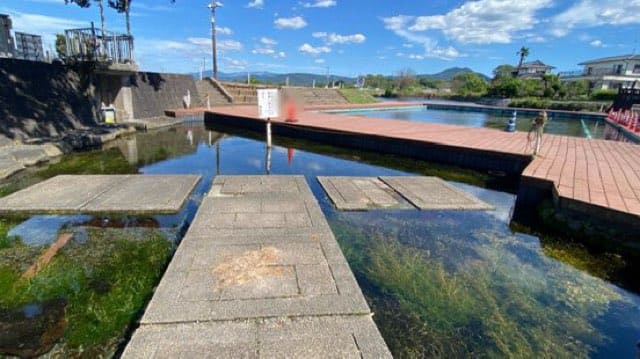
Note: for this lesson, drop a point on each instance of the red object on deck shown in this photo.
(291, 111)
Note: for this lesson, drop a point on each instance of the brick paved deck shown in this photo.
(592, 173)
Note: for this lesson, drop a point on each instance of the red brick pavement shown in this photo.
(593, 172)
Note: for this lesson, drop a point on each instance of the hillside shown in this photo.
(295, 79)
(450, 73)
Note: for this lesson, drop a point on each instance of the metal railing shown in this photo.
(596, 72)
(89, 45)
(575, 73)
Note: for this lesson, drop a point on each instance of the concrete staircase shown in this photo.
(213, 91)
(242, 94)
(316, 96)
(227, 93)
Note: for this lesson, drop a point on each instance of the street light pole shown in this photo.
(214, 4)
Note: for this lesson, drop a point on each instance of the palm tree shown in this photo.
(523, 53)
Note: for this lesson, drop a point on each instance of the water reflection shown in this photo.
(459, 281)
(555, 125)
(442, 283)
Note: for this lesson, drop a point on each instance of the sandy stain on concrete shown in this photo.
(248, 267)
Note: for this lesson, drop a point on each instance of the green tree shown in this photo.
(504, 71)
(377, 81)
(61, 46)
(575, 89)
(505, 87)
(405, 79)
(551, 85)
(469, 84)
(429, 83)
(523, 53)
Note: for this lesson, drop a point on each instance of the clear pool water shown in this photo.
(441, 283)
(558, 126)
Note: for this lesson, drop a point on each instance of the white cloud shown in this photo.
(411, 56)
(263, 51)
(314, 51)
(321, 3)
(484, 21)
(294, 23)
(229, 45)
(267, 41)
(46, 26)
(333, 38)
(280, 55)
(596, 43)
(224, 30)
(319, 61)
(234, 64)
(222, 46)
(256, 4)
(446, 53)
(589, 13)
(399, 25)
(408, 46)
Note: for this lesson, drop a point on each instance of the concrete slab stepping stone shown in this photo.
(74, 194)
(362, 193)
(432, 193)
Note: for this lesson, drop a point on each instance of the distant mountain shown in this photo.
(295, 79)
(450, 73)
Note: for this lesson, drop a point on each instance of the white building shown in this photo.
(533, 70)
(7, 48)
(607, 73)
(29, 47)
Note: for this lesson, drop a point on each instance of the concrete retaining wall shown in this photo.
(42, 100)
(152, 93)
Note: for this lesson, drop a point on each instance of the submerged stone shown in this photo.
(33, 329)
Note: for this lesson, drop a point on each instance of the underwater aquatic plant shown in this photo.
(495, 294)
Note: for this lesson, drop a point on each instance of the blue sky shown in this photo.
(354, 37)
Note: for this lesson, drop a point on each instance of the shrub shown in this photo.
(604, 95)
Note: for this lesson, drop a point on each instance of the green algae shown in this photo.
(97, 162)
(109, 161)
(488, 304)
(105, 279)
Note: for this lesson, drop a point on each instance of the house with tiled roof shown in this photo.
(533, 70)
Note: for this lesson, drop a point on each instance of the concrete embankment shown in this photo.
(44, 100)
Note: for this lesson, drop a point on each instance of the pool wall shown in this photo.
(511, 165)
(508, 110)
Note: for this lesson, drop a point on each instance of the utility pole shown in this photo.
(214, 4)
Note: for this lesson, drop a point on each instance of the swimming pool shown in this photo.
(557, 125)
(441, 283)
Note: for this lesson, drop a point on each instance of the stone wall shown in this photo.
(152, 93)
(43, 100)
